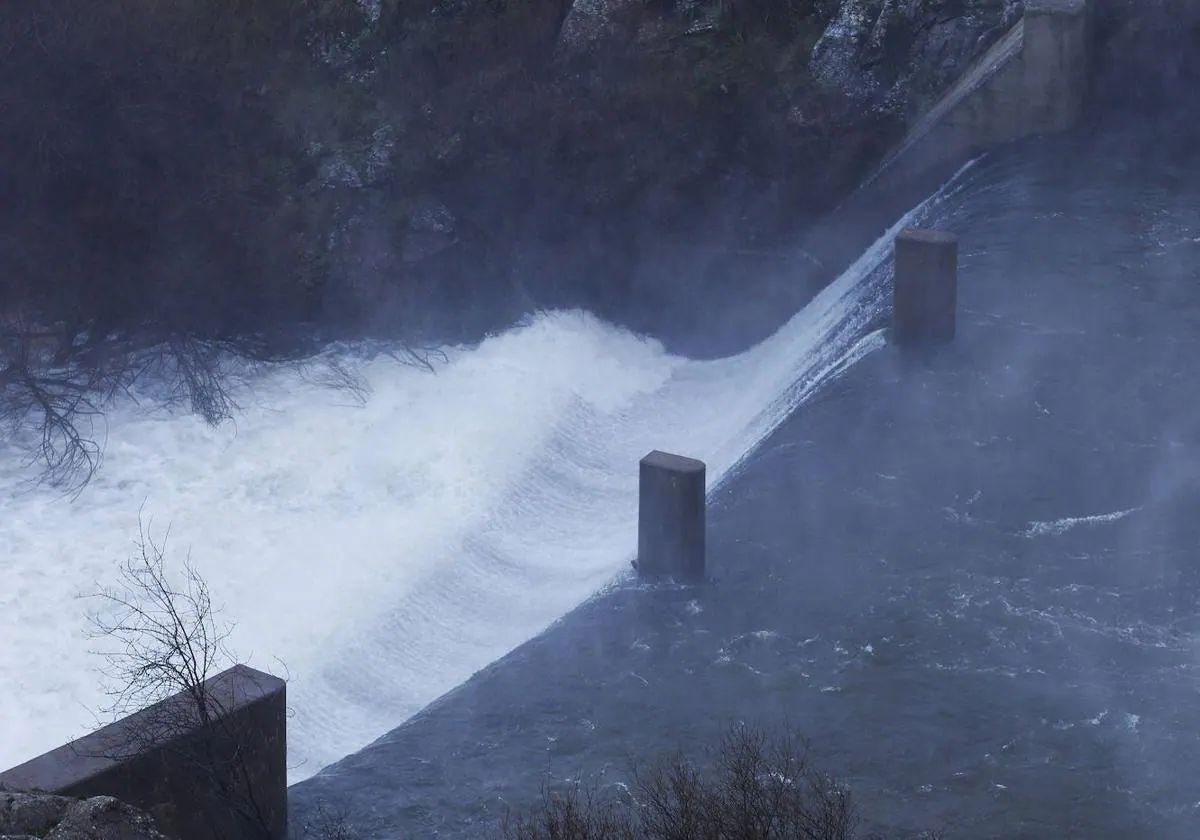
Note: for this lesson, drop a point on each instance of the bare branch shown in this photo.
(759, 787)
(160, 639)
(161, 642)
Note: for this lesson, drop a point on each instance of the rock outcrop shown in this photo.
(30, 815)
(596, 152)
(440, 166)
(894, 54)
(407, 167)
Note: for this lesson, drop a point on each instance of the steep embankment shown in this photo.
(203, 168)
(603, 152)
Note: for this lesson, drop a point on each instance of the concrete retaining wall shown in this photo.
(227, 779)
(1032, 81)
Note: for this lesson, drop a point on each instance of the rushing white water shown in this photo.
(385, 552)
(1061, 526)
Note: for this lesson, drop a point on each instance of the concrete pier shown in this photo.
(925, 289)
(671, 517)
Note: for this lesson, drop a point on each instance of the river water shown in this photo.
(378, 546)
(970, 579)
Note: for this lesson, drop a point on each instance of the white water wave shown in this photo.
(1061, 526)
(385, 552)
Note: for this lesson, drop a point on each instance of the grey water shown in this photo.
(970, 578)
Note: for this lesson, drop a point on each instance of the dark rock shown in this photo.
(589, 22)
(104, 818)
(63, 818)
(892, 56)
(29, 813)
(601, 140)
(584, 153)
(432, 228)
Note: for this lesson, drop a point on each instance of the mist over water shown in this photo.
(970, 579)
(379, 554)
(1016, 633)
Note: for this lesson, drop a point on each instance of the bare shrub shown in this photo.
(161, 638)
(161, 644)
(760, 787)
(572, 814)
(330, 822)
(163, 207)
(55, 386)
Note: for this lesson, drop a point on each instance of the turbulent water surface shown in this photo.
(971, 579)
(379, 554)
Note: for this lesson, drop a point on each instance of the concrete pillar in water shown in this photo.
(671, 517)
(925, 293)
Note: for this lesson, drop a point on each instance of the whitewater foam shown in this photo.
(379, 554)
(1061, 526)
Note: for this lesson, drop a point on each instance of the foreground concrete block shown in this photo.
(227, 778)
(925, 290)
(671, 517)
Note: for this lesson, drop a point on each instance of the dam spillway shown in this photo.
(971, 582)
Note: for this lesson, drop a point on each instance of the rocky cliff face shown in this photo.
(439, 167)
(893, 54)
(606, 153)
